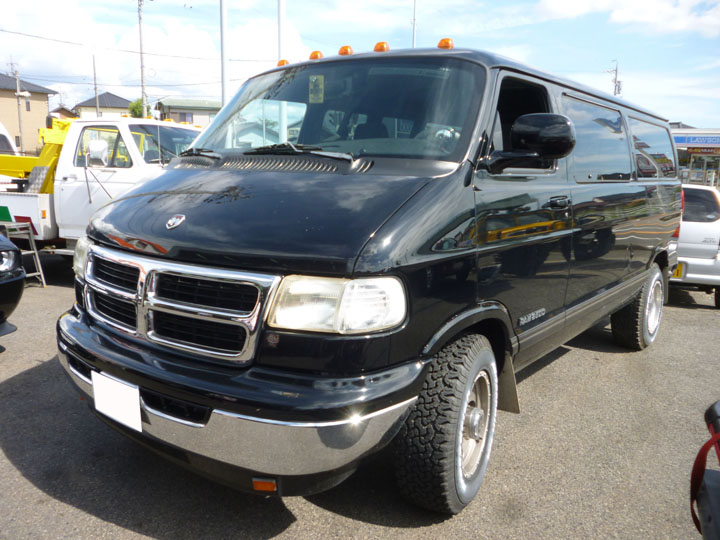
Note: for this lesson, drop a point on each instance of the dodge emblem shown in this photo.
(175, 221)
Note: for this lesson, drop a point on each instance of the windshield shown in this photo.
(159, 144)
(394, 107)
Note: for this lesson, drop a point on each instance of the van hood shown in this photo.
(265, 221)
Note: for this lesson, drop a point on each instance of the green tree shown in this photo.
(135, 108)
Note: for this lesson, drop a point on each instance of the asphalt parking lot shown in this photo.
(603, 449)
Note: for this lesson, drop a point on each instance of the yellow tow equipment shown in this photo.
(39, 170)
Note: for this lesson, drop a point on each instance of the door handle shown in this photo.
(559, 203)
(70, 177)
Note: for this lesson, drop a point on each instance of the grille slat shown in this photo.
(216, 335)
(203, 292)
(168, 303)
(119, 275)
(115, 309)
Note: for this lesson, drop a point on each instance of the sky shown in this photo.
(667, 51)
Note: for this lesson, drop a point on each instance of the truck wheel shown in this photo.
(443, 448)
(717, 297)
(636, 325)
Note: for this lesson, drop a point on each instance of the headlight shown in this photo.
(9, 260)
(344, 306)
(80, 258)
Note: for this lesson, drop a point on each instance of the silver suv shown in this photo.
(698, 241)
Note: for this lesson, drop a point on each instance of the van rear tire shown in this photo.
(636, 325)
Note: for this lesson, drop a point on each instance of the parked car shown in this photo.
(698, 241)
(12, 282)
(270, 314)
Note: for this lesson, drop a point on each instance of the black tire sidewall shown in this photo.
(467, 488)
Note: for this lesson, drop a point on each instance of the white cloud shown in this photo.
(688, 99)
(105, 28)
(657, 16)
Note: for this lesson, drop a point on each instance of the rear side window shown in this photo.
(601, 152)
(701, 206)
(654, 157)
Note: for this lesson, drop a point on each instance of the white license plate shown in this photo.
(117, 399)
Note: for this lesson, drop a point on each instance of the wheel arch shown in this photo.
(492, 320)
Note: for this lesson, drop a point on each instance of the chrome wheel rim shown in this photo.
(476, 423)
(653, 310)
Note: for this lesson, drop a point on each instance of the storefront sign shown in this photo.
(710, 151)
(696, 140)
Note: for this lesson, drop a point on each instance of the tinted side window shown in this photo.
(653, 150)
(601, 151)
(518, 97)
(700, 206)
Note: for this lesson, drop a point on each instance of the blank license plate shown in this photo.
(118, 400)
(678, 271)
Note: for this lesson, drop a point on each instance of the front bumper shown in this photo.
(12, 285)
(252, 418)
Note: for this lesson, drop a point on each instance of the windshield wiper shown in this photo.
(290, 148)
(204, 152)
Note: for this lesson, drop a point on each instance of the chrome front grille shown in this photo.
(208, 311)
(204, 292)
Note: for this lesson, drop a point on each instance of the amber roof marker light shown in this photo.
(381, 46)
(446, 43)
(316, 55)
(345, 50)
(282, 63)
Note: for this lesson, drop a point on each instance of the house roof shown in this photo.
(7, 82)
(189, 104)
(106, 100)
(63, 109)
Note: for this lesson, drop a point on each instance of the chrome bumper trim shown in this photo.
(268, 446)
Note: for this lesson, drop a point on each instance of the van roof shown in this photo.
(491, 61)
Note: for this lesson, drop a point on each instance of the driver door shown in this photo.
(93, 179)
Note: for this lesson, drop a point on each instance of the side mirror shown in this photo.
(552, 136)
(96, 154)
(534, 136)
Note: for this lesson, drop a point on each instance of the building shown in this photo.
(34, 108)
(63, 113)
(199, 112)
(110, 105)
(698, 154)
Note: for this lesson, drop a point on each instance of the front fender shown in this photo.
(492, 320)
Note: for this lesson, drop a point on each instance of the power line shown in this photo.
(129, 51)
(59, 81)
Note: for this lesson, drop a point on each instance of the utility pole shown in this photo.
(617, 85)
(18, 94)
(282, 123)
(223, 56)
(413, 22)
(97, 101)
(142, 61)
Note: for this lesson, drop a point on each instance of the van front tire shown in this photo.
(443, 448)
(636, 325)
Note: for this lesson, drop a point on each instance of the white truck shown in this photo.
(83, 165)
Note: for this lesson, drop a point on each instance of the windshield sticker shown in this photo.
(317, 89)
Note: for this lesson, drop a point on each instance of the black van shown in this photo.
(363, 250)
